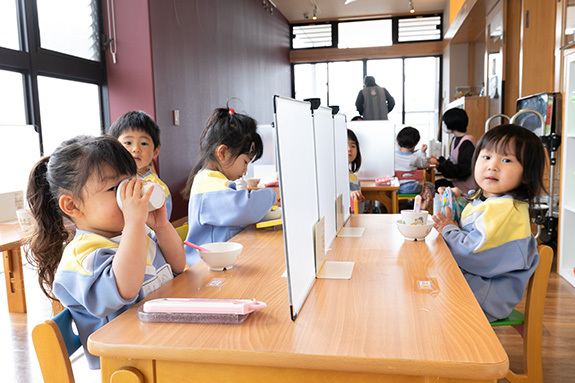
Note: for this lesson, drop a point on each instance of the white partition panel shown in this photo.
(266, 165)
(325, 167)
(296, 166)
(341, 164)
(377, 146)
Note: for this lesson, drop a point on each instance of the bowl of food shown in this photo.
(414, 232)
(221, 255)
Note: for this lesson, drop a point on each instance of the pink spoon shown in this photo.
(197, 247)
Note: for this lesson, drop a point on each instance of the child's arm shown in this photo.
(129, 263)
(168, 239)
(356, 195)
(234, 207)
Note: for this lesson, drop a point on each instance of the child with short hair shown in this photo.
(408, 159)
(140, 135)
(493, 244)
(354, 161)
(113, 260)
(216, 210)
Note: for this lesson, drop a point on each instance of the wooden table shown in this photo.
(376, 327)
(10, 242)
(386, 194)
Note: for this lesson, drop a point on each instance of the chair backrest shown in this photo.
(54, 342)
(533, 326)
(412, 175)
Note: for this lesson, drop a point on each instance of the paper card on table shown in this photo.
(339, 216)
(425, 285)
(336, 270)
(319, 235)
(351, 232)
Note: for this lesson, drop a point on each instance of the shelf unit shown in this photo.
(566, 245)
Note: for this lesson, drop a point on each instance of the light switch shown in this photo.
(176, 115)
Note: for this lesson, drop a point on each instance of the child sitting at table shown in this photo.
(354, 160)
(140, 134)
(408, 159)
(113, 259)
(493, 244)
(216, 210)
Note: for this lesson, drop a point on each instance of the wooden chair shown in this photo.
(530, 324)
(54, 342)
(415, 175)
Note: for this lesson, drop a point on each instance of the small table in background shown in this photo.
(386, 194)
(10, 243)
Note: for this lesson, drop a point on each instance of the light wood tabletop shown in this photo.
(10, 242)
(406, 315)
(386, 194)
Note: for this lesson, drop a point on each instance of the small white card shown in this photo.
(351, 232)
(336, 270)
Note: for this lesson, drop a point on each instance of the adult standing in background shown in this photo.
(457, 169)
(374, 102)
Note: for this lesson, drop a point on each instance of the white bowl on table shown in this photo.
(414, 232)
(222, 255)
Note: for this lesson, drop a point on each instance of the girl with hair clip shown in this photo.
(493, 244)
(113, 259)
(354, 161)
(216, 210)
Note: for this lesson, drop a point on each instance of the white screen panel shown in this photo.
(296, 160)
(325, 163)
(341, 164)
(377, 146)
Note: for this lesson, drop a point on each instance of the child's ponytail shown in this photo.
(50, 234)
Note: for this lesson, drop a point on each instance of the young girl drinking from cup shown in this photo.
(217, 211)
(493, 244)
(113, 259)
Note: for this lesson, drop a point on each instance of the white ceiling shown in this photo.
(294, 10)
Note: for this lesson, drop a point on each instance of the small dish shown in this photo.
(221, 255)
(414, 232)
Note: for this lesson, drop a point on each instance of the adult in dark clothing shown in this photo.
(457, 169)
(374, 102)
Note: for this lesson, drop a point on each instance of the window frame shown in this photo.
(394, 29)
(32, 61)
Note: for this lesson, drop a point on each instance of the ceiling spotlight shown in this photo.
(411, 10)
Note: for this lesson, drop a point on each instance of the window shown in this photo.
(359, 34)
(367, 33)
(9, 25)
(414, 84)
(312, 36)
(77, 34)
(51, 77)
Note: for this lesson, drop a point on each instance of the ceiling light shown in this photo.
(411, 10)
(314, 15)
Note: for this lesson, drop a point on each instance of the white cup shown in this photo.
(25, 219)
(157, 198)
(410, 217)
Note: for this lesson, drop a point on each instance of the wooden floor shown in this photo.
(18, 362)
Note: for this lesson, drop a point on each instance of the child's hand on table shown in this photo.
(356, 195)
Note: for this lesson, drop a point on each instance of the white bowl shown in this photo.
(414, 232)
(222, 255)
